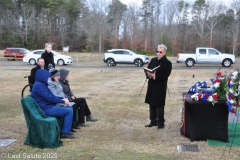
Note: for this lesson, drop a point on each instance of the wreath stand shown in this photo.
(234, 127)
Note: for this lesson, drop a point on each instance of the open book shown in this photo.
(150, 70)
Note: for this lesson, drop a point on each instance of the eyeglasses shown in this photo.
(159, 51)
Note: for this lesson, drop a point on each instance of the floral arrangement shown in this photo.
(219, 90)
(205, 97)
(220, 85)
(233, 91)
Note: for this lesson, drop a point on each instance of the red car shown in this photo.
(15, 53)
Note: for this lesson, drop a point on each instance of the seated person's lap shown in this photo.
(58, 111)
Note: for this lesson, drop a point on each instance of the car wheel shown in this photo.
(60, 62)
(32, 61)
(138, 63)
(189, 62)
(226, 63)
(110, 62)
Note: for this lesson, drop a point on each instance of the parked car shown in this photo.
(205, 55)
(58, 58)
(123, 56)
(15, 53)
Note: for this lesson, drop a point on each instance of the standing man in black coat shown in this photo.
(48, 56)
(157, 87)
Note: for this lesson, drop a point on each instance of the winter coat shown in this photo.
(156, 92)
(41, 93)
(48, 58)
(56, 88)
(65, 84)
(33, 74)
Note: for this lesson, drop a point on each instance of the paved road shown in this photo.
(101, 65)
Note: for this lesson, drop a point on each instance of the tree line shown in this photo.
(99, 25)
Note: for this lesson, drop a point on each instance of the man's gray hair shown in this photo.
(162, 46)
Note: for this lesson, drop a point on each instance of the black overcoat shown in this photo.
(156, 92)
(48, 58)
(33, 74)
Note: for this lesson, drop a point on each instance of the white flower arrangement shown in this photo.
(205, 97)
(233, 91)
(216, 85)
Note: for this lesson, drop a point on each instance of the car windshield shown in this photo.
(26, 51)
(55, 53)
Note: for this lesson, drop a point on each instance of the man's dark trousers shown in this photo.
(157, 115)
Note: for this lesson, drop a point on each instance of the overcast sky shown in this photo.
(139, 2)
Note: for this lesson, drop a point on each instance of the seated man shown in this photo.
(40, 65)
(46, 101)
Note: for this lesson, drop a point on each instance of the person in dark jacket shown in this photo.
(80, 102)
(157, 87)
(40, 65)
(57, 90)
(48, 56)
(46, 101)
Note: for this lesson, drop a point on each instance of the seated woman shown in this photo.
(80, 102)
(57, 90)
(46, 101)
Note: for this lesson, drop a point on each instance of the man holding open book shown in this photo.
(159, 70)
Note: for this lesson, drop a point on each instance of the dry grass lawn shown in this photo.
(113, 97)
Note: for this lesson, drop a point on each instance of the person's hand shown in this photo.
(66, 101)
(152, 75)
(73, 97)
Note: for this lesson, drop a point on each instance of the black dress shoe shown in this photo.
(67, 135)
(76, 127)
(160, 127)
(150, 125)
(72, 130)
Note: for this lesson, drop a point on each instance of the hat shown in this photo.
(53, 72)
(63, 73)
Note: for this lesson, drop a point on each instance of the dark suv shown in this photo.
(15, 53)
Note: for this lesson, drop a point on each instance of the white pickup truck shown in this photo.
(206, 55)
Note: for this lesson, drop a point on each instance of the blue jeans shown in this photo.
(65, 112)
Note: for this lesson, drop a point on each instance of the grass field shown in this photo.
(113, 97)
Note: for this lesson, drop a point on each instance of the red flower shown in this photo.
(215, 97)
(219, 74)
(231, 96)
(199, 97)
(206, 95)
(217, 80)
(232, 110)
(229, 80)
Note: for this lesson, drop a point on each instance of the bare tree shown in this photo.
(170, 15)
(235, 26)
(132, 27)
(27, 13)
(99, 10)
(199, 12)
(46, 20)
(62, 24)
(213, 11)
(183, 27)
(95, 24)
(114, 18)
